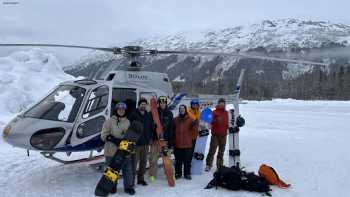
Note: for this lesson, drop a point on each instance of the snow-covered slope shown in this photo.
(285, 37)
(272, 35)
(305, 141)
(25, 77)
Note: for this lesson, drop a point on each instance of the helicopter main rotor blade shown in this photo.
(242, 55)
(115, 50)
(134, 51)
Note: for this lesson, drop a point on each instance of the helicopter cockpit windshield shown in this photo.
(61, 105)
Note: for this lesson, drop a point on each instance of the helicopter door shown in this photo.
(126, 95)
(94, 114)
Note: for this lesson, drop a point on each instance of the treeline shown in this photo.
(315, 85)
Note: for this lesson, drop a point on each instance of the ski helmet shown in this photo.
(162, 99)
(120, 105)
(240, 122)
(194, 102)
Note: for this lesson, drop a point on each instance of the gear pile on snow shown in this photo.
(236, 179)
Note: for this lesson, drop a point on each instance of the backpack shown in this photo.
(229, 178)
(271, 176)
(236, 179)
(255, 183)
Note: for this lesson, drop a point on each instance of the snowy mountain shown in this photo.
(274, 35)
(25, 77)
(285, 37)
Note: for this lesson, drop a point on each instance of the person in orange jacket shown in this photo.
(194, 115)
(183, 143)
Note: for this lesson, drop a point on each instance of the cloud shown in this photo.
(110, 22)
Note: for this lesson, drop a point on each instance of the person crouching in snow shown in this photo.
(183, 143)
(113, 131)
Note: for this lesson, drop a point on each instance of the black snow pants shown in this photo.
(183, 157)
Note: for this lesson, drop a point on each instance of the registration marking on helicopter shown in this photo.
(137, 77)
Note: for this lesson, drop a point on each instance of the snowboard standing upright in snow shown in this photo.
(167, 162)
(199, 149)
(234, 152)
(126, 147)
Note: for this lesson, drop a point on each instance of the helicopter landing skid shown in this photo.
(50, 155)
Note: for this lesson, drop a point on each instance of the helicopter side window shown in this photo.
(61, 105)
(98, 101)
(90, 127)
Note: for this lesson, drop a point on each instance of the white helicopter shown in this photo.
(70, 118)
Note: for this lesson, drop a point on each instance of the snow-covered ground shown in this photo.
(305, 141)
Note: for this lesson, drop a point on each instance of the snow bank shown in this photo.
(25, 77)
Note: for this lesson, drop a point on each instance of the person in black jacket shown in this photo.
(167, 120)
(142, 145)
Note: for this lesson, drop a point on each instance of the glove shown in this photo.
(233, 130)
(170, 151)
(113, 139)
(166, 151)
(170, 145)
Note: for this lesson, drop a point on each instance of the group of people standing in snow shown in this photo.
(180, 134)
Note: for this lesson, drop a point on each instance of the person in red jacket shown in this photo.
(219, 126)
(183, 143)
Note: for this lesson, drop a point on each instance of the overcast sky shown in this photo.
(106, 23)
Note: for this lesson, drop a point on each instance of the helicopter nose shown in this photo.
(15, 136)
(36, 134)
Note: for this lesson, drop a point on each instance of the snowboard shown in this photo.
(201, 142)
(167, 162)
(234, 152)
(126, 148)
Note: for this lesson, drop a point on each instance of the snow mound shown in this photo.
(25, 77)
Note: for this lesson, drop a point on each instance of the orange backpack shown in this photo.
(271, 176)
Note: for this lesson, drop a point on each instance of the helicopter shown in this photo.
(70, 117)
